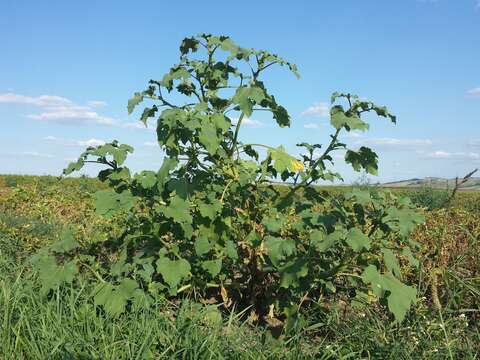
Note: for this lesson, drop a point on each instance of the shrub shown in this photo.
(210, 224)
(430, 198)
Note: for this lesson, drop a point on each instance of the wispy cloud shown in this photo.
(73, 115)
(393, 142)
(312, 126)
(353, 135)
(474, 143)
(36, 154)
(460, 155)
(150, 143)
(320, 109)
(248, 122)
(138, 125)
(42, 101)
(475, 92)
(70, 142)
(96, 103)
(27, 154)
(58, 109)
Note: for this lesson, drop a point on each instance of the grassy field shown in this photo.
(66, 324)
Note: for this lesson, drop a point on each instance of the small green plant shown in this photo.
(209, 223)
(430, 198)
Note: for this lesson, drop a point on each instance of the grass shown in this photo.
(67, 325)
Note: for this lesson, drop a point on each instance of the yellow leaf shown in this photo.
(224, 294)
(297, 165)
(271, 314)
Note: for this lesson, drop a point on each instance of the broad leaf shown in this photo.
(173, 271)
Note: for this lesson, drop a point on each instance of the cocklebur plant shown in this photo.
(211, 225)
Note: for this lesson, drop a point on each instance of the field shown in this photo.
(66, 324)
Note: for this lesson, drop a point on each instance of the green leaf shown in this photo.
(281, 115)
(148, 113)
(411, 259)
(213, 316)
(272, 224)
(202, 245)
(339, 119)
(168, 165)
(178, 210)
(147, 179)
(67, 242)
(391, 262)
(114, 298)
(210, 210)
(208, 137)
(173, 271)
(279, 248)
(357, 240)
(189, 44)
(324, 242)
(362, 197)
(364, 158)
(400, 296)
(221, 121)
(109, 203)
(74, 166)
(292, 272)
(212, 266)
(231, 250)
(247, 96)
(51, 274)
(134, 101)
(283, 161)
(371, 276)
(404, 220)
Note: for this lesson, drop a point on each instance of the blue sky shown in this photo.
(67, 69)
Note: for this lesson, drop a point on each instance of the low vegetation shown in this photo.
(66, 323)
(206, 258)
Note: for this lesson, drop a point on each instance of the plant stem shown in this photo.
(235, 136)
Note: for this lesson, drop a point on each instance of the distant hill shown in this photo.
(436, 183)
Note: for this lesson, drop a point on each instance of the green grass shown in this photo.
(67, 325)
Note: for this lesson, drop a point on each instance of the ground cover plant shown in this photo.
(68, 324)
(145, 265)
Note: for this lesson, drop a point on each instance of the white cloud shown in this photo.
(42, 101)
(58, 109)
(96, 103)
(69, 142)
(27, 154)
(73, 115)
(150, 143)
(353, 135)
(36, 154)
(392, 142)
(91, 142)
(453, 155)
(320, 109)
(312, 126)
(138, 125)
(248, 122)
(475, 92)
(474, 143)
